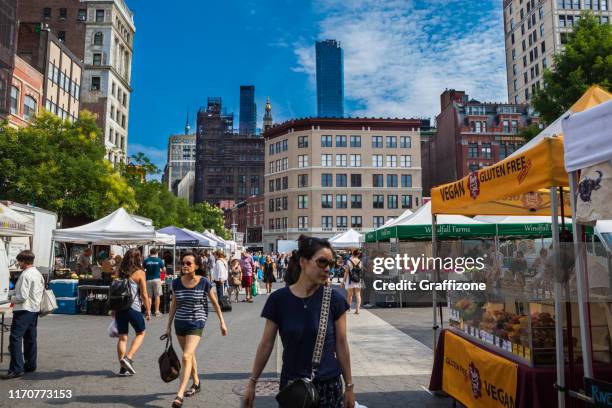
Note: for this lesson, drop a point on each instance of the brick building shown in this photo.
(248, 216)
(26, 93)
(470, 135)
(8, 11)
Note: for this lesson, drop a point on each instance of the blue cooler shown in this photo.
(67, 305)
(64, 288)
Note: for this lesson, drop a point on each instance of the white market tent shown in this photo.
(348, 239)
(204, 240)
(117, 228)
(221, 243)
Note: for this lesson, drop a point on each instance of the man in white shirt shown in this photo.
(220, 273)
(26, 298)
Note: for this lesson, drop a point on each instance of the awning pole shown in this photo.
(174, 260)
(558, 288)
(580, 267)
(434, 253)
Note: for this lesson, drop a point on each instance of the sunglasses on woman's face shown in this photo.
(187, 263)
(324, 263)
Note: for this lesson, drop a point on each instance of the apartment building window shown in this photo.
(47, 12)
(285, 183)
(14, 100)
(29, 107)
(340, 141)
(512, 37)
(543, 47)
(95, 83)
(278, 203)
(99, 16)
(405, 142)
(271, 224)
(302, 202)
(406, 180)
(326, 160)
(327, 201)
(278, 147)
(271, 205)
(378, 221)
(523, 29)
(302, 222)
(603, 20)
(355, 200)
(341, 221)
(303, 160)
(561, 21)
(341, 201)
(285, 163)
(82, 15)
(302, 142)
(525, 77)
(526, 93)
(341, 180)
(355, 141)
(270, 167)
(326, 180)
(524, 61)
(514, 85)
(302, 180)
(377, 142)
(472, 150)
(378, 201)
(522, 14)
(392, 201)
(377, 180)
(391, 142)
(355, 160)
(537, 70)
(406, 201)
(524, 45)
(391, 180)
(406, 160)
(391, 161)
(513, 54)
(63, 13)
(285, 145)
(341, 160)
(513, 69)
(377, 160)
(506, 126)
(326, 141)
(486, 150)
(356, 222)
(97, 59)
(355, 180)
(327, 222)
(285, 203)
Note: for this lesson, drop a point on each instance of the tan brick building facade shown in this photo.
(324, 176)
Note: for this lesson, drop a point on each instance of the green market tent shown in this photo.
(418, 227)
(524, 226)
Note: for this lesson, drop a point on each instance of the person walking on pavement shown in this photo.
(248, 270)
(235, 279)
(294, 312)
(154, 266)
(210, 263)
(132, 270)
(26, 298)
(189, 311)
(352, 279)
(220, 273)
(269, 269)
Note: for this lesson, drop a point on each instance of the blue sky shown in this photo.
(399, 55)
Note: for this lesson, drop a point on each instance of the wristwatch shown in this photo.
(349, 386)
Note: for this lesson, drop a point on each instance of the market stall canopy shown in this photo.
(181, 237)
(371, 236)
(117, 228)
(203, 240)
(519, 184)
(13, 224)
(523, 226)
(348, 239)
(221, 243)
(418, 227)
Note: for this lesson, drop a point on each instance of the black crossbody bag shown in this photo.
(301, 392)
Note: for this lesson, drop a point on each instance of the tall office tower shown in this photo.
(248, 111)
(330, 79)
(534, 32)
(267, 119)
(101, 34)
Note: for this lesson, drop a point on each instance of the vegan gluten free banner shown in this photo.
(476, 377)
(517, 185)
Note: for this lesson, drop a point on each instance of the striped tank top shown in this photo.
(191, 304)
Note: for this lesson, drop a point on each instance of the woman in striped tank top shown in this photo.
(189, 310)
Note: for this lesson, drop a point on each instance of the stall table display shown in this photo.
(93, 299)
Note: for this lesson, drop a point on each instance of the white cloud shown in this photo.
(400, 55)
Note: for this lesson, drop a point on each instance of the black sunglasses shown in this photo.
(188, 263)
(324, 263)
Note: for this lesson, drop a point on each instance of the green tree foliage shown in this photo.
(585, 61)
(529, 132)
(60, 166)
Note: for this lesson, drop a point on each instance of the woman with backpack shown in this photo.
(131, 291)
(352, 279)
(305, 312)
(189, 311)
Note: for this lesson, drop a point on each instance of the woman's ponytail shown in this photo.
(293, 270)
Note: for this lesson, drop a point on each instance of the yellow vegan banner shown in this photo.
(475, 377)
(517, 185)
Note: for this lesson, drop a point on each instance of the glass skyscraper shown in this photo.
(330, 79)
(248, 111)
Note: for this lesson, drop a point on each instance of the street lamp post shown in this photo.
(234, 232)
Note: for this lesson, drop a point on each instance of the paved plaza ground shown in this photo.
(390, 354)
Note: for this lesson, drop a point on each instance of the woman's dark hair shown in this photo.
(307, 247)
(132, 261)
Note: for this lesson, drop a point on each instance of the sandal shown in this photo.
(193, 390)
(178, 402)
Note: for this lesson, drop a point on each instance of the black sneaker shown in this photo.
(124, 373)
(128, 365)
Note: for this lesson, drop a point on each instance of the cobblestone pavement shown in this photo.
(75, 353)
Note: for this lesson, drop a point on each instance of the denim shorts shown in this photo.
(130, 316)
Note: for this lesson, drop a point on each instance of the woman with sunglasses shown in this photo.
(189, 310)
(294, 311)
